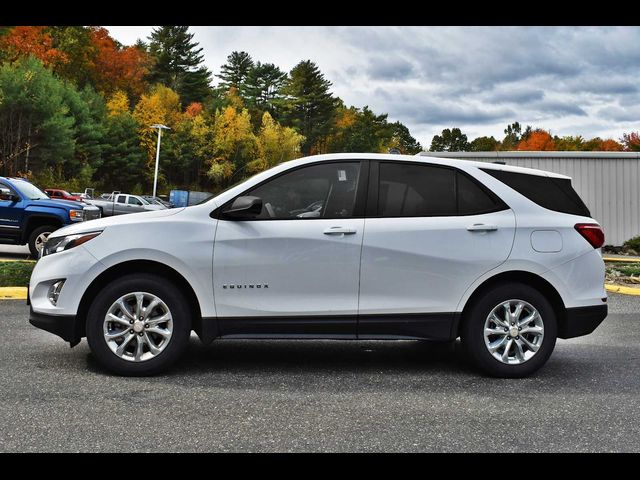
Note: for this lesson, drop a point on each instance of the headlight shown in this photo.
(76, 215)
(60, 244)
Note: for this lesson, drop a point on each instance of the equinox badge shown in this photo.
(249, 285)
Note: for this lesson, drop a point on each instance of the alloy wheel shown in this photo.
(513, 332)
(138, 326)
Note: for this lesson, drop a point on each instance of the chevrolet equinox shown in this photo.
(341, 246)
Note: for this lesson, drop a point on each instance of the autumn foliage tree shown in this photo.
(631, 141)
(610, 145)
(538, 140)
(161, 105)
(117, 68)
(233, 146)
(24, 41)
(275, 144)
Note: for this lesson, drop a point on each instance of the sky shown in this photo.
(569, 80)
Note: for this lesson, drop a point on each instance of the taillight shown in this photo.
(592, 233)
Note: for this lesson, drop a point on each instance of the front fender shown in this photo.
(199, 278)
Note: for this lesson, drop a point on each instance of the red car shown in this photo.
(61, 194)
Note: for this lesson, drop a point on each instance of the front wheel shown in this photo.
(37, 239)
(138, 325)
(510, 332)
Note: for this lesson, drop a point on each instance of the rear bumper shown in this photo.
(582, 321)
(63, 326)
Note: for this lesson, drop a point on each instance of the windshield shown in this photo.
(65, 193)
(144, 201)
(30, 191)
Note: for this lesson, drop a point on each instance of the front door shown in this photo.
(10, 215)
(294, 269)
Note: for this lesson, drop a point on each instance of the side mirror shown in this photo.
(244, 207)
(6, 195)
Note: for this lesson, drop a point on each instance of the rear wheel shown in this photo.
(38, 237)
(510, 332)
(138, 325)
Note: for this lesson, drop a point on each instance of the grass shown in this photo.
(629, 270)
(15, 274)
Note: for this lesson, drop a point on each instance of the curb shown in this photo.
(621, 260)
(622, 289)
(13, 293)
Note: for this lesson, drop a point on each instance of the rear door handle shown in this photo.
(339, 230)
(481, 227)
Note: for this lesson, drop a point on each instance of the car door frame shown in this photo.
(317, 326)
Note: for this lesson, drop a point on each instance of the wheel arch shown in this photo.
(515, 276)
(206, 332)
(40, 220)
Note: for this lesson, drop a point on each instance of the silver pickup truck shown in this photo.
(118, 203)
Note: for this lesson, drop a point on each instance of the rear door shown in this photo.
(430, 232)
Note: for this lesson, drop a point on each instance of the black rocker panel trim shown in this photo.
(433, 326)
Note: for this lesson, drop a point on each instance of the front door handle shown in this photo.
(481, 227)
(339, 231)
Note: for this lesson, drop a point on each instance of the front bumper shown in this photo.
(581, 321)
(64, 326)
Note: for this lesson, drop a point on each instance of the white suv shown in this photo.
(342, 246)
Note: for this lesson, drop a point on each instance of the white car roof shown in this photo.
(454, 162)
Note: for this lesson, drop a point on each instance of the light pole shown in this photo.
(160, 127)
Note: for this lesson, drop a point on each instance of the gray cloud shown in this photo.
(618, 114)
(382, 68)
(519, 96)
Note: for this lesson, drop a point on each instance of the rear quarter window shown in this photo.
(555, 194)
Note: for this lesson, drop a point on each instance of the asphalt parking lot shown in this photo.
(321, 396)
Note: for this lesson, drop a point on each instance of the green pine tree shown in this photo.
(123, 159)
(261, 88)
(234, 73)
(308, 105)
(403, 141)
(178, 64)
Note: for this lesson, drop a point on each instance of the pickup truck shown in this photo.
(28, 215)
(122, 203)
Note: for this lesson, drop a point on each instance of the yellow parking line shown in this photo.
(621, 289)
(13, 293)
(16, 260)
(623, 260)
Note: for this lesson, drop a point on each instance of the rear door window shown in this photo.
(414, 190)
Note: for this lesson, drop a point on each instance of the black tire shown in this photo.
(33, 236)
(472, 331)
(139, 282)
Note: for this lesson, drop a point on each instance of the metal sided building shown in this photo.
(607, 182)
